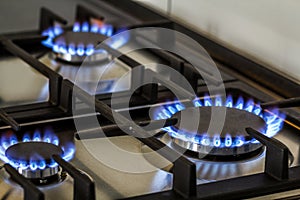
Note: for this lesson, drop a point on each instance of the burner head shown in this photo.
(34, 158)
(208, 141)
(74, 47)
(78, 45)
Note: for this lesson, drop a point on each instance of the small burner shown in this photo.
(75, 46)
(80, 44)
(34, 158)
(31, 153)
(232, 143)
(233, 132)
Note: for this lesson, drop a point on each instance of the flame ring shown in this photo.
(273, 119)
(47, 137)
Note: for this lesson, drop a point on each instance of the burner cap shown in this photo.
(35, 158)
(207, 141)
(74, 47)
(236, 121)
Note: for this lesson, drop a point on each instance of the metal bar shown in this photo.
(286, 103)
(150, 92)
(84, 186)
(84, 14)
(137, 75)
(109, 129)
(204, 74)
(277, 155)
(29, 39)
(175, 61)
(65, 102)
(184, 178)
(157, 123)
(127, 60)
(47, 19)
(174, 87)
(31, 192)
(9, 120)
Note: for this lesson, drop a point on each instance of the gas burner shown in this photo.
(86, 42)
(34, 158)
(80, 43)
(32, 154)
(233, 142)
(221, 143)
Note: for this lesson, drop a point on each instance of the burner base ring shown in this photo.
(196, 155)
(39, 174)
(98, 56)
(204, 151)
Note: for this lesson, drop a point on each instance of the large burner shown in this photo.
(80, 43)
(34, 158)
(232, 142)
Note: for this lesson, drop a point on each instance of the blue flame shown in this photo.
(37, 136)
(33, 165)
(42, 164)
(95, 28)
(72, 49)
(273, 119)
(37, 162)
(89, 49)
(26, 137)
(207, 101)
(85, 27)
(76, 27)
(106, 29)
(119, 39)
(51, 32)
(228, 141)
(81, 50)
(69, 152)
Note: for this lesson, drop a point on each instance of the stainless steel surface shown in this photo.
(120, 166)
(123, 167)
(20, 83)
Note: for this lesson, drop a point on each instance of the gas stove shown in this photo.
(116, 101)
